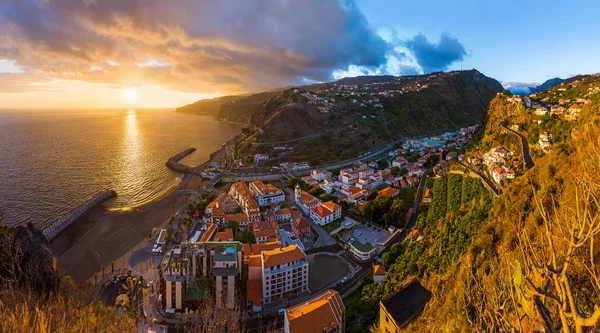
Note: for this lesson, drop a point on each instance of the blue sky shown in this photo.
(518, 41)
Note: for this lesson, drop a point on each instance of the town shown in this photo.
(293, 247)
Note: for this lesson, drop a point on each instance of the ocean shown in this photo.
(51, 161)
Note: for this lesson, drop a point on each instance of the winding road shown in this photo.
(524, 146)
(485, 179)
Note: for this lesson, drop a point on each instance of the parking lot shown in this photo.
(325, 269)
(366, 234)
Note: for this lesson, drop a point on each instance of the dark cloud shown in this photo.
(436, 57)
(203, 46)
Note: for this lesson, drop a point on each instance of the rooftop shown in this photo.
(282, 256)
(319, 314)
(362, 247)
(407, 304)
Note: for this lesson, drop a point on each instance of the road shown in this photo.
(401, 236)
(485, 179)
(524, 146)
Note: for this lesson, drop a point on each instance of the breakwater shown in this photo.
(54, 228)
(173, 162)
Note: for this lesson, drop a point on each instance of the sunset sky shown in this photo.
(158, 53)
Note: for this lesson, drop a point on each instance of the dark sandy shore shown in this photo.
(100, 236)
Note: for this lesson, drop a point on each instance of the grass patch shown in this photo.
(333, 225)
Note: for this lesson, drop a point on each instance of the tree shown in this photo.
(373, 193)
(233, 225)
(149, 236)
(292, 182)
(395, 170)
(316, 191)
(383, 163)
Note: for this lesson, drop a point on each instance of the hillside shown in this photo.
(231, 108)
(34, 297)
(337, 121)
(526, 89)
(522, 262)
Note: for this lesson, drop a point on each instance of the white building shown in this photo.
(320, 175)
(284, 272)
(326, 213)
(266, 194)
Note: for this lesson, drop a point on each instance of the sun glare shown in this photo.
(130, 95)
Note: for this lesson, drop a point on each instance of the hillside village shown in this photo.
(248, 247)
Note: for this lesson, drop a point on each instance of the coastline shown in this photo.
(102, 235)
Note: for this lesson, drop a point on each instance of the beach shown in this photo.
(101, 236)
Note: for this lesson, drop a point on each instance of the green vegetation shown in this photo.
(458, 209)
(333, 225)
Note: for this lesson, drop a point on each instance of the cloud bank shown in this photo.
(204, 46)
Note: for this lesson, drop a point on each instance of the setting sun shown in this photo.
(130, 95)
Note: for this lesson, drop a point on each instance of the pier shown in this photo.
(54, 228)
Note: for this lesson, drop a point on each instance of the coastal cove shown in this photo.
(124, 150)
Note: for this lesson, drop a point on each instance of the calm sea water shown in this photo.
(52, 161)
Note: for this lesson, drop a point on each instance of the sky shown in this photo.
(159, 53)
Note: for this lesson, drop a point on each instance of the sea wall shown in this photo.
(173, 162)
(54, 228)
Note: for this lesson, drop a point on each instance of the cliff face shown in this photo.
(231, 108)
(26, 258)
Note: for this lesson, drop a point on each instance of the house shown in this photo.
(283, 214)
(378, 274)
(451, 155)
(284, 273)
(224, 236)
(320, 175)
(574, 110)
(400, 309)
(389, 192)
(349, 176)
(241, 219)
(305, 201)
(541, 111)
(260, 157)
(266, 194)
(399, 162)
(544, 141)
(323, 313)
(301, 228)
(326, 213)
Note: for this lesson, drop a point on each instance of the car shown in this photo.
(344, 279)
(378, 229)
(150, 283)
(116, 281)
(359, 233)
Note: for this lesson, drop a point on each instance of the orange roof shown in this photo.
(301, 223)
(285, 211)
(257, 248)
(308, 199)
(295, 213)
(273, 225)
(378, 270)
(321, 313)
(241, 217)
(225, 236)
(282, 256)
(321, 211)
(332, 206)
(254, 289)
(260, 225)
(426, 192)
(218, 211)
(499, 170)
(208, 233)
(264, 233)
(389, 192)
(255, 260)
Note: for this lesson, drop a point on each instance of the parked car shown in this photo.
(344, 279)
(150, 283)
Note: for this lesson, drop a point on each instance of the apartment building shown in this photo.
(326, 213)
(284, 273)
(266, 194)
